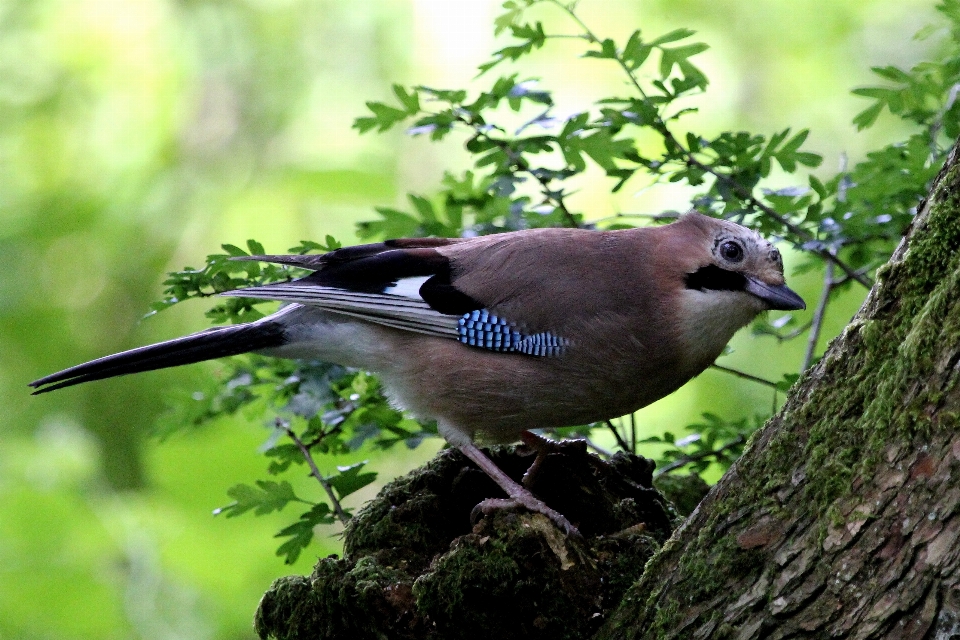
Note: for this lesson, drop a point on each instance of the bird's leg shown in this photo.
(518, 495)
(543, 447)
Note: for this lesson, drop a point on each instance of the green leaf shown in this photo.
(677, 55)
(301, 532)
(410, 100)
(384, 117)
(808, 159)
(533, 37)
(673, 36)
(787, 381)
(424, 207)
(283, 455)
(692, 78)
(818, 186)
(393, 224)
(603, 149)
(608, 50)
(266, 497)
(453, 96)
(349, 479)
(636, 52)
(892, 73)
(234, 250)
(879, 93)
(868, 116)
(796, 141)
(512, 13)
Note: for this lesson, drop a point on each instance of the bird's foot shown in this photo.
(525, 501)
(518, 495)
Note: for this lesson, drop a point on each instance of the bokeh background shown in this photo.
(137, 136)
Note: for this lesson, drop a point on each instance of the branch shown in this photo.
(522, 165)
(741, 192)
(817, 324)
(789, 335)
(603, 453)
(315, 472)
(700, 455)
(745, 376)
(616, 434)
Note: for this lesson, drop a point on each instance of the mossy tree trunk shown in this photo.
(843, 517)
(841, 520)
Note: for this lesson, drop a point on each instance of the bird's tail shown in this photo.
(197, 347)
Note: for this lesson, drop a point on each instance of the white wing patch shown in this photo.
(407, 287)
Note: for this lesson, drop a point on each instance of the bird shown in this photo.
(495, 335)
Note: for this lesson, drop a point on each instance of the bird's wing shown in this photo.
(405, 284)
(399, 311)
(556, 280)
(315, 262)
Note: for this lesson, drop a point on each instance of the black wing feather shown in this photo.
(374, 268)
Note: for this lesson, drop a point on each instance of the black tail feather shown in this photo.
(197, 347)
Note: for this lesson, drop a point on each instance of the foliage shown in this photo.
(526, 164)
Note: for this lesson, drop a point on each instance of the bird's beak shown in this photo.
(780, 297)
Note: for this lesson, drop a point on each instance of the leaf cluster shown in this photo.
(527, 162)
(228, 271)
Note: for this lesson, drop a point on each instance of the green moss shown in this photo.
(417, 567)
(514, 585)
(339, 599)
(872, 395)
(684, 491)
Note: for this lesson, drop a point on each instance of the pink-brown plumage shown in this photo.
(635, 314)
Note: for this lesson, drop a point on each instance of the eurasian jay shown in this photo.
(498, 334)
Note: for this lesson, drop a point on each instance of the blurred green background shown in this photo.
(137, 136)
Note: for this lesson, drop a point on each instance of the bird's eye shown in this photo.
(731, 251)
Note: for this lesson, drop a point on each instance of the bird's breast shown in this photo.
(604, 373)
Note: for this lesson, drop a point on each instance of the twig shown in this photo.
(817, 324)
(745, 376)
(753, 378)
(616, 434)
(937, 124)
(741, 192)
(786, 336)
(522, 165)
(700, 455)
(315, 472)
(663, 215)
(633, 433)
(324, 434)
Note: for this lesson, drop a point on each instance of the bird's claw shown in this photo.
(528, 502)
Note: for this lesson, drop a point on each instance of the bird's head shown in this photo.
(730, 257)
(726, 275)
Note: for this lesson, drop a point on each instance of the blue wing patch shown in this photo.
(483, 329)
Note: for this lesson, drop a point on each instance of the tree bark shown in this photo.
(839, 521)
(841, 518)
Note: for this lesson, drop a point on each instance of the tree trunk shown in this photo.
(841, 518)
